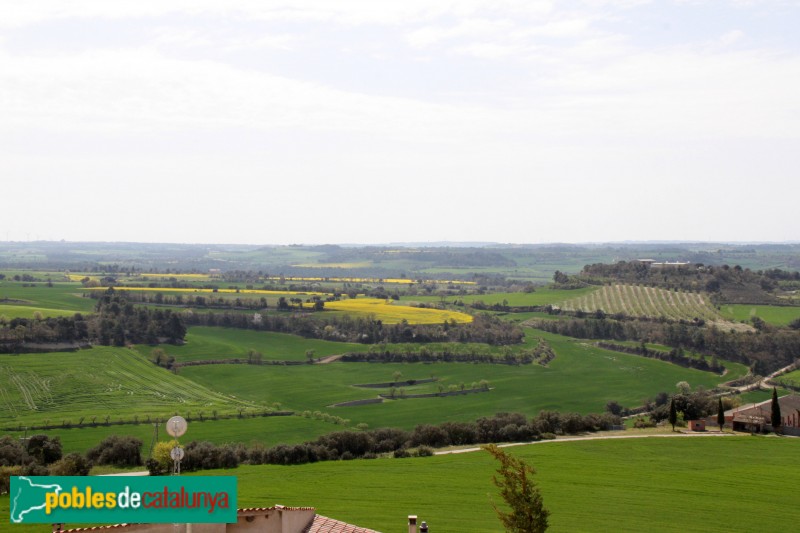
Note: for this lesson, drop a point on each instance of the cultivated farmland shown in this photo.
(213, 343)
(392, 313)
(604, 376)
(67, 388)
(636, 300)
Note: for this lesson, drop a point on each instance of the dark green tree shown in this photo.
(720, 414)
(44, 449)
(775, 415)
(527, 514)
(673, 414)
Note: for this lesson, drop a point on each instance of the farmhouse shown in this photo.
(652, 263)
(276, 519)
(756, 417)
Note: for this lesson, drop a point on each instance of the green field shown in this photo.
(732, 370)
(51, 388)
(62, 299)
(269, 431)
(790, 379)
(603, 376)
(723, 484)
(771, 314)
(29, 311)
(699, 484)
(203, 343)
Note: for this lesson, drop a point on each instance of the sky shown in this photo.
(370, 121)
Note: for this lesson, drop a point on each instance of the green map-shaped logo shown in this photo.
(27, 499)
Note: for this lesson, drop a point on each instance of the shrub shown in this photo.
(424, 451)
(44, 449)
(73, 464)
(161, 461)
(5, 475)
(116, 450)
(429, 435)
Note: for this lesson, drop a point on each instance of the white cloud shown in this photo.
(731, 37)
(142, 90)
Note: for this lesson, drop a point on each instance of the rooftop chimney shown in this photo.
(412, 523)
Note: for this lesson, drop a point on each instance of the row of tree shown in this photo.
(452, 353)
(763, 351)
(116, 322)
(42, 455)
(728, 284)
(366, 330)
(345, 445)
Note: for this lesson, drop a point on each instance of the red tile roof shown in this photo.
(320, 524)
(323, 524)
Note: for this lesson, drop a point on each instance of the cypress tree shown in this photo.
(720, 415)
(519, 490)
(673, 414)
(775, 418)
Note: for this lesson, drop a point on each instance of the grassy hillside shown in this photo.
(52, 388)
(203, 343)
(581, 378)
(62, 299)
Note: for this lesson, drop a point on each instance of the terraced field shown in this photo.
(51, 388)
(635, 300)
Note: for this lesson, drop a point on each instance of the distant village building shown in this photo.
(670, 264)
(652, 263)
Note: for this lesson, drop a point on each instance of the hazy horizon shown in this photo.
(466, 244)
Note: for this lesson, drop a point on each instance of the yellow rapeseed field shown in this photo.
(195, 277)
(392, 313)
(80, 277)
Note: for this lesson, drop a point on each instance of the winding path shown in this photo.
(593, 437)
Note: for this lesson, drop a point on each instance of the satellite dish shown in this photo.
(176, 426)
(176, 454)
